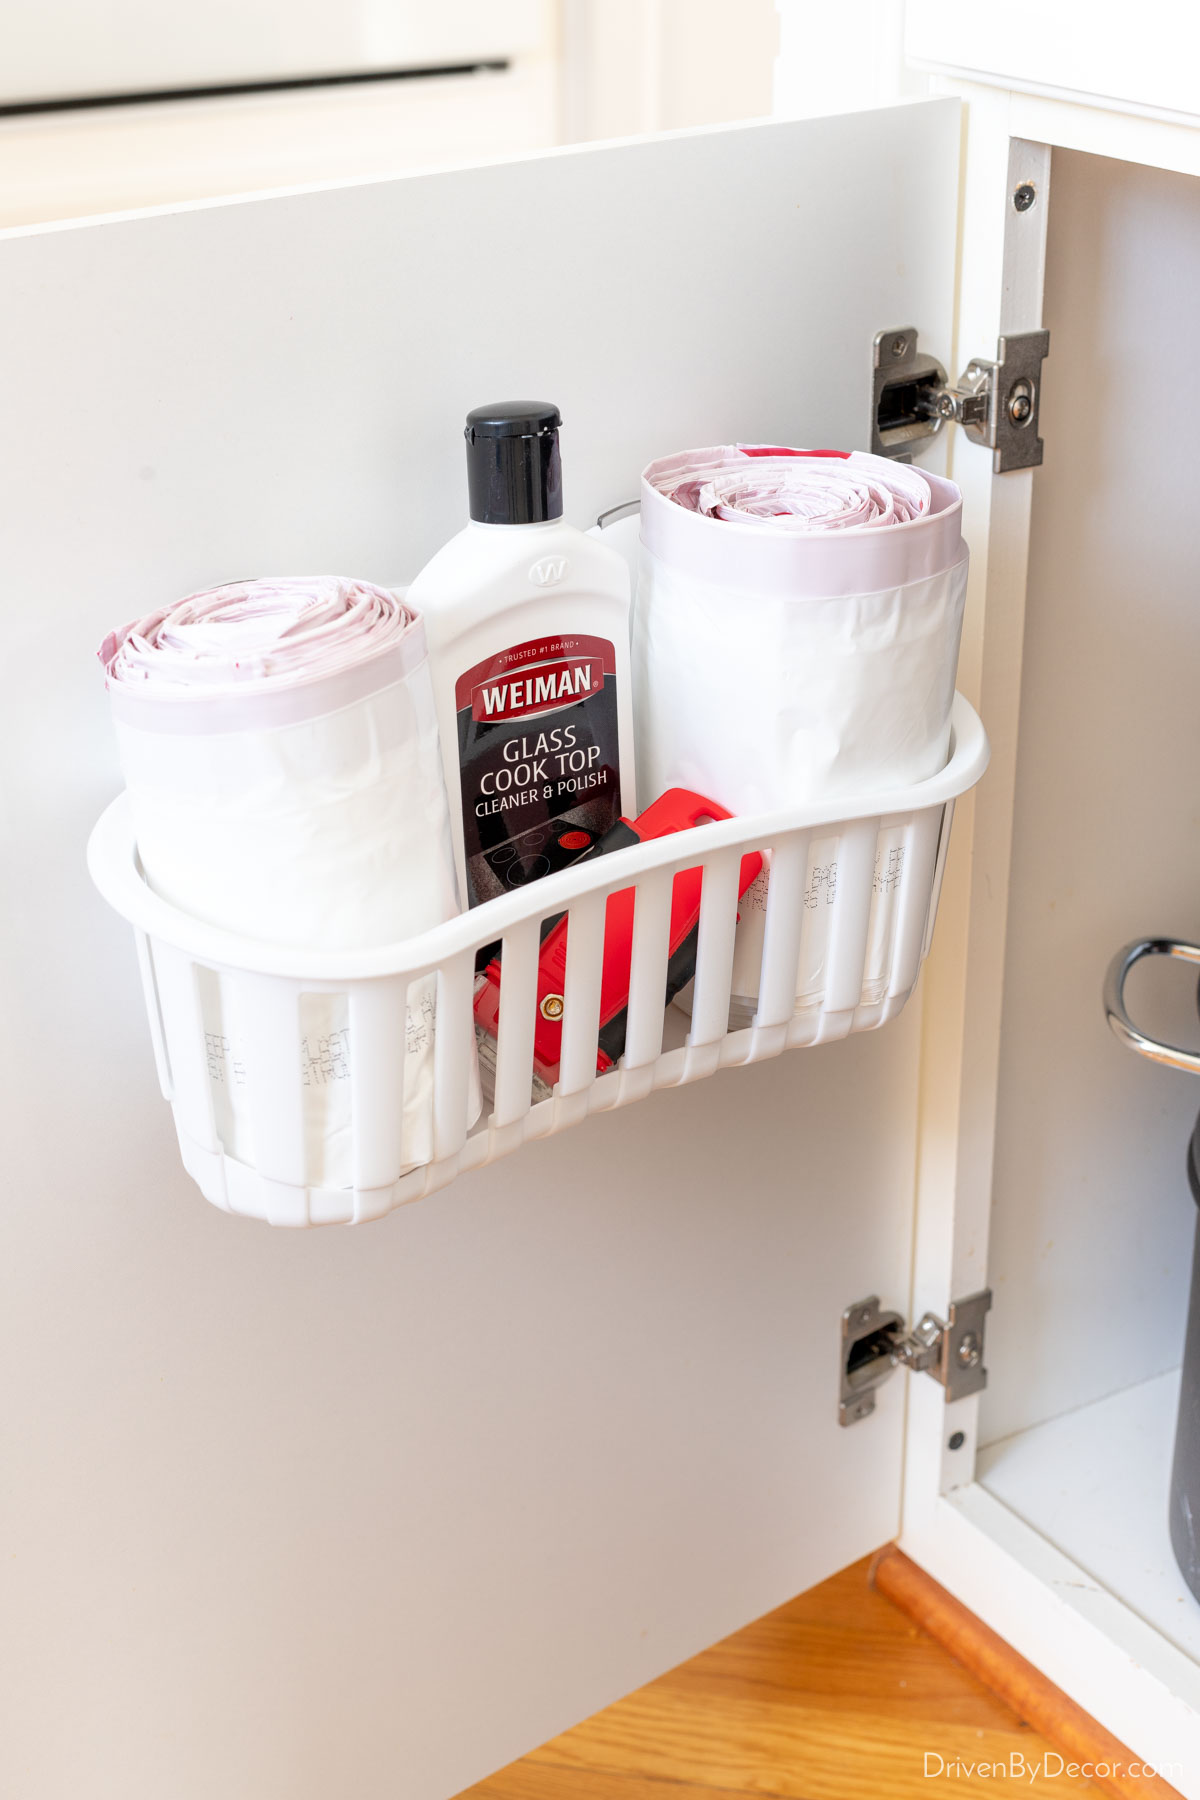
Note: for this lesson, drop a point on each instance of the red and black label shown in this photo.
(538, 758)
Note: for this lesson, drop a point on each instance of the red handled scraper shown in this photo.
(676, 810)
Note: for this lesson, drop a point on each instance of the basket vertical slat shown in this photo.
(851, 914)
(581, 994)
(453, 1055)
(714, 949)
(518, 1018)
(782, 932)
(378, 1043)
(177, 980)
(648, 969)
(275, 1089)
(158, 1040)
(939, 871)
(912, 901)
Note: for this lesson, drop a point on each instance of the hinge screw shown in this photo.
(899, 345)
(1020, 403)
(970, 1352)
(1024, 197)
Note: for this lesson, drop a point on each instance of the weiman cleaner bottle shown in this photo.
(527, 621)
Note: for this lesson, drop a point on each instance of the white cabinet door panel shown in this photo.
(372, 1512)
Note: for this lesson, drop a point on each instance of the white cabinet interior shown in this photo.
(1084, 1201)
(1092, 1222)
(1092, 1219)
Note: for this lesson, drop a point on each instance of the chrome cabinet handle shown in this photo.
(1114, 1001)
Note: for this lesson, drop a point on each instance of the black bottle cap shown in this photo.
(514, 473)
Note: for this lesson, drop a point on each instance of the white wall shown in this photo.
(653, 65)
(841, 57)
(1092, 1222)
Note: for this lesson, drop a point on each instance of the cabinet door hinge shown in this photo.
(995, 402)
(874, 1343)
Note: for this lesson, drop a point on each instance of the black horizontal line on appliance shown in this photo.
(233, 89)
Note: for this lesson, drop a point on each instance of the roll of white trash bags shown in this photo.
(279, 744)
(795, 638)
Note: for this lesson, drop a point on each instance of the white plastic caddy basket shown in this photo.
(887, 851)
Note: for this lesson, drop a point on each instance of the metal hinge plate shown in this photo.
(996, 402)
(874, 1343)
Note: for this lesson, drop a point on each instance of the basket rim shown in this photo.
(114, 868)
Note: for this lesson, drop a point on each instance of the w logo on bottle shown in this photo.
(549, 571)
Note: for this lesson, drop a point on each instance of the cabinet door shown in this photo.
(373, 1512)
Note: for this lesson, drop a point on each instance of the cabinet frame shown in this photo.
(1091, 1644)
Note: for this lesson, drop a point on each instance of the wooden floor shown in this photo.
(837, 1696)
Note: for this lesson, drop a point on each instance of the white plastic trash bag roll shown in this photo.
(795, 637)
(279, 744)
